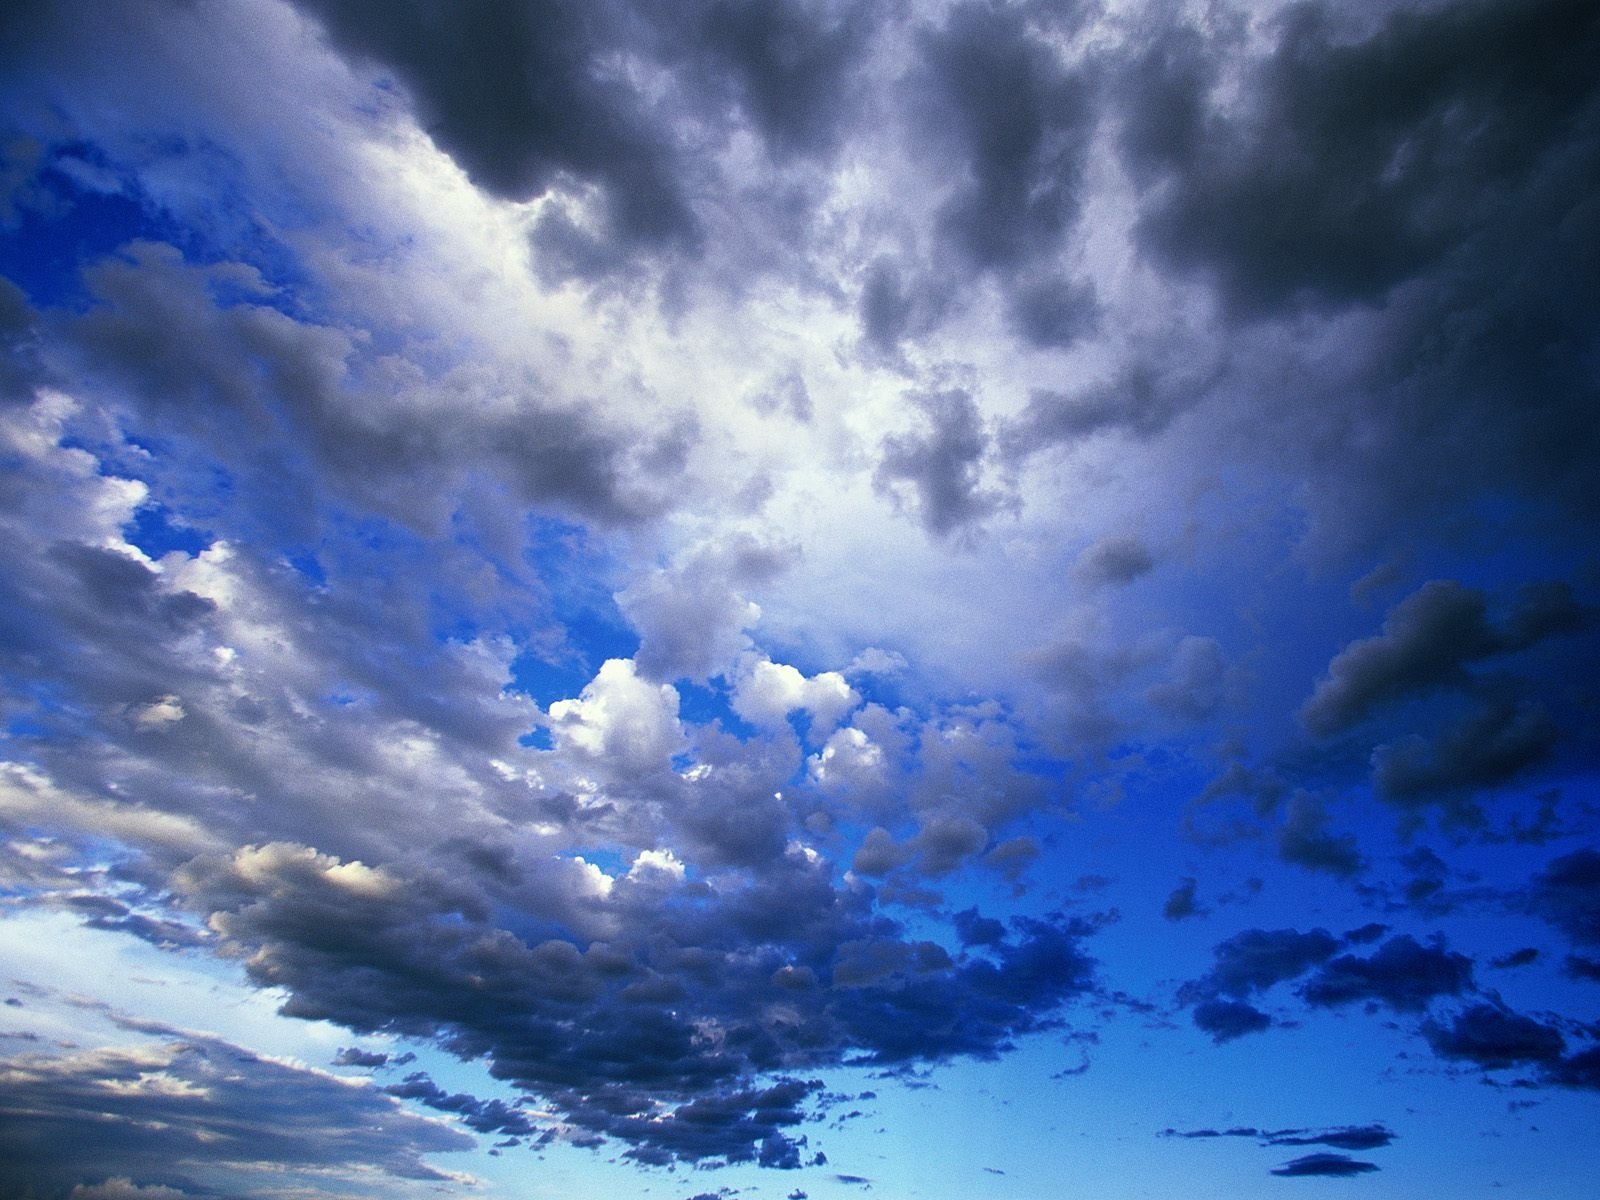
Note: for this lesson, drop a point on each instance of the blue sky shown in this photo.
(798, 599)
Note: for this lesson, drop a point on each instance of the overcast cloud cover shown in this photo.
(772, 597)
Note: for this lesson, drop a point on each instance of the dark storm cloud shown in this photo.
(1567, 894)
(806, 976)
(1017, 123)
(1493, 1036)
(1485, 748)
(1140, 401)
(788, 65)
(942, 465)
(994, 106)
(1428, 641)
(1333, 1166)
(183, 1113)
(1354, 159)
(1401, 974)
(516, 91)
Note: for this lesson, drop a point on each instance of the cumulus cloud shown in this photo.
(1401, 974)
(1492, 1036)
(1428, 641)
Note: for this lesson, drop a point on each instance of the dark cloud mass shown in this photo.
(195, 1114)
(418, 956)
(517, 92)
(1357, 158)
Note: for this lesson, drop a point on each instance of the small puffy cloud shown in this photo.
(766, 692)
(354, 1056)
(1195, 680)
(1256, 959)
(1115, 560)
(1303, 839)
(691, 618)
(620, 719)
(1225, 1020)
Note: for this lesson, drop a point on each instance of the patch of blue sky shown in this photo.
(157, 530)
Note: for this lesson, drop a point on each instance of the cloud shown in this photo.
(1257, 959)
(1388, 140)
(691, 618)
(1181, 903)
(1303, 839)
(1225, 1020)
(191, 1115)
(1333, 1166)
(1493, 1036)
(1484, 749)
(409, 951)
(472, 81)
(1567, 894)
(354, 1056)
(1342, 1137)
(1401, 974)
(942, 466)
(1018, 155)
(483, 1116)
(1428, 640)
(1113, 560)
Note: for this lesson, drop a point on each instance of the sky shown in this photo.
(800, 598)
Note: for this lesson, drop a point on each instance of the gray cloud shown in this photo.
(1493, 1036)
(1117, 560)
(1428, 641)
(518, 95)
(1401, 974)
(1326, 1165)
(408, 952)
(1390, 145)
(1567, 894)
(943, 465)
(191, 1115)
